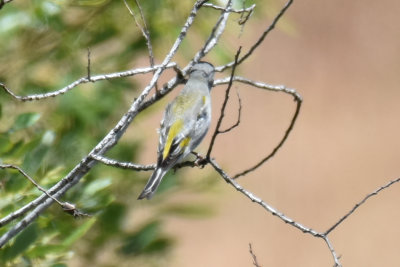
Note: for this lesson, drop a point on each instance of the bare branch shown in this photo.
(260, 202)
(260, 39)
(239, 116)
(10, 166)
(144, 30)
(123, 165)
(84, 80)
(244, 12)
(261, 85)
(279, 88)
(215, 34)
(222, 114)
(232, 10)
(271, 210)
(255, 262)
(374, 193)
(333, 252)
(67, 207)
(88, 65)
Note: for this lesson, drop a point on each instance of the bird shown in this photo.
(184, 125)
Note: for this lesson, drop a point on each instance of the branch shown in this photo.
(215, 34)
(222, 114)
(232, 10)
(260, 39)
(255, 262)
(145, 32)
(238, 118)
(88, 66)
(122, 165)
(271, 210)
(374, 193)
(333, 252)
(67, 207)
(260, 202)
(84, 80)
(279, 88)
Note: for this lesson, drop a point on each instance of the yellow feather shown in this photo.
(185, 142)
(173, 131)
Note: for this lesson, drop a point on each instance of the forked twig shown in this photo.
(222, 114)
(260, 39)
(66, 206)
(145, 32)
(238, 118)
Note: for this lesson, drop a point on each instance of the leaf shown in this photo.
(97, 185)
(79, 232)
(25, 120)
(135, 243)
(190, 210)
(41, 251)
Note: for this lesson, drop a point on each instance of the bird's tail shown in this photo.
(153, 183)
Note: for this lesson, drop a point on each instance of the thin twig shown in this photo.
(333, 252)
(84, 80)
(123, 165)
(239, 11)
(88, 65)
(277, 147)
(271, 210)
(214, 36)
(374, 193)
(255, 262)
(10, 166)
(145, 32)
(222, 114)
(260, 39)
(260, 202)
(275, 88)
(238, 118)
(67, 207)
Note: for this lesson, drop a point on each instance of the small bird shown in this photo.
(185, 123)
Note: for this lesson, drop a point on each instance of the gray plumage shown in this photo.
(185, 123)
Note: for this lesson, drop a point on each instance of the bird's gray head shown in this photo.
(203, 71)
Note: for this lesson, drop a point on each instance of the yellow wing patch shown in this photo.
(185, 142)
(173, 131)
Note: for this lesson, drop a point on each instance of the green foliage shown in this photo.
(43, 48)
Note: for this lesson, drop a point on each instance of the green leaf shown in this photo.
(40, 251)
(34, 158)
(25, 120)
(5, 143)
(189, 210)
(111, 219)
(97, 185)
(135, 243)
(79, 232)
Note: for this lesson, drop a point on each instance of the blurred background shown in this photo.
(342, 57)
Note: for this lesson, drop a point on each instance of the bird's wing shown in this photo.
(201, 125)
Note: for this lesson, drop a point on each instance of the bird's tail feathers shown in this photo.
(153, 183)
